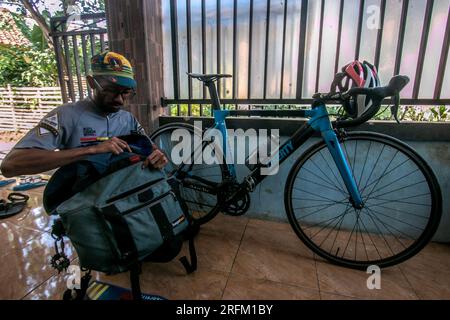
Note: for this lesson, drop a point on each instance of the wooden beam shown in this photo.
(135, 30)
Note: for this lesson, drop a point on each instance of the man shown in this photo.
(84, 128)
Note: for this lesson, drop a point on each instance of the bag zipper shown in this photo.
(133, 191)
(152, 202)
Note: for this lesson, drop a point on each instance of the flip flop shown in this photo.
(4, 183)
(29, 185)
(17, 203)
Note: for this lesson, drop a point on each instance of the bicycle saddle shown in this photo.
(208, 77)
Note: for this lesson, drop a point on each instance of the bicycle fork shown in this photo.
(320, 121)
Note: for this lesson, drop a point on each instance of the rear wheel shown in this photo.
(199, 182)
(402, 202)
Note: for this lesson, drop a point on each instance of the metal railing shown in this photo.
(280, 52)
(198, 35)
(76, 40)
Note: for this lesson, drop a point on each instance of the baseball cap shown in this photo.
(115, 67)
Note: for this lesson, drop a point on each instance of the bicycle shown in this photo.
(355, 198)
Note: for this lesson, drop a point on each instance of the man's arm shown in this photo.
(33, 161)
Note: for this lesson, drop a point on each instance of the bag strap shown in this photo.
(126, 245)
(135, 271)
(191, 231)
(122, 234)
(192, 266)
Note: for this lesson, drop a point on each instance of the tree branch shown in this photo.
(40, 20)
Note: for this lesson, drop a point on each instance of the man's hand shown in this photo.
(113, 145)
(157, 159)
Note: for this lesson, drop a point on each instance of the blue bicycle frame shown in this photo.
(319, 122)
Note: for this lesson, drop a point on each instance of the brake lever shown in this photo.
(395, 106)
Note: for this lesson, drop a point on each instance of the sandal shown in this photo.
(4, 183)
(29, 182)
(17, 202)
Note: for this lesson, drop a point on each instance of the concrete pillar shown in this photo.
(135, 30)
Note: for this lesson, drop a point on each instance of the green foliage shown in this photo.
(430, 114)
(406, 113)
(27, 67)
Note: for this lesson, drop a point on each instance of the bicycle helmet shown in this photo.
(357, 74)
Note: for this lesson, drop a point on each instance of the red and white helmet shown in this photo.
(361, 75)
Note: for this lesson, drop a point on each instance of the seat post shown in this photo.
(213, 94)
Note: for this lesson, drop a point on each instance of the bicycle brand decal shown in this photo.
(286, 151)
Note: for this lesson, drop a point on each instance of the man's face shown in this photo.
(111, 98)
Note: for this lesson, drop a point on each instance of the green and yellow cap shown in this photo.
(115, 67)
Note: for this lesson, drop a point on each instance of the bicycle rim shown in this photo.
(402, 202)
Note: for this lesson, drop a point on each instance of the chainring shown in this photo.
(239, 206)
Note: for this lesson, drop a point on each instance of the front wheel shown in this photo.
(401, 195)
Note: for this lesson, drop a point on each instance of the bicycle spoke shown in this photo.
(340, 226)
(381, 233)
(351, 233)
(391, 191)
(310, 214)
(404, 212)
(371, 240)
(373, 168)
(391, 183)
(306, 169)
(387, 229)
(364, 244)
(398, 201)
(338, 222)
(328, 187)
(340, 187)
(316, 195)
(329, 222)
(401, 221)
(384, 171)
(315, 206)
(364, 166)
(387, 173)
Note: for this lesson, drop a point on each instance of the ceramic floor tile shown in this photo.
(170, 280)
(244, 288)
(13, 237)
(53, 288)
(227, 226)
(35, 219)
(33, 216)
(353, 283)
(266, 259)
(215, 251)
(429, 272)
(26, 268)
(331, 296)
(277, 235)
(256, 260)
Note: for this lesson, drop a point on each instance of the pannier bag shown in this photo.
(126, 214)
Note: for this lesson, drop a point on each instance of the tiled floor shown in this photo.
(239, 258)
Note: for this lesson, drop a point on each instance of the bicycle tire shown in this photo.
(306, 228)
(192, 198)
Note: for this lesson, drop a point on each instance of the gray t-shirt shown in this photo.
(76, 125)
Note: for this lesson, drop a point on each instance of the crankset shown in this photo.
(239, 204)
